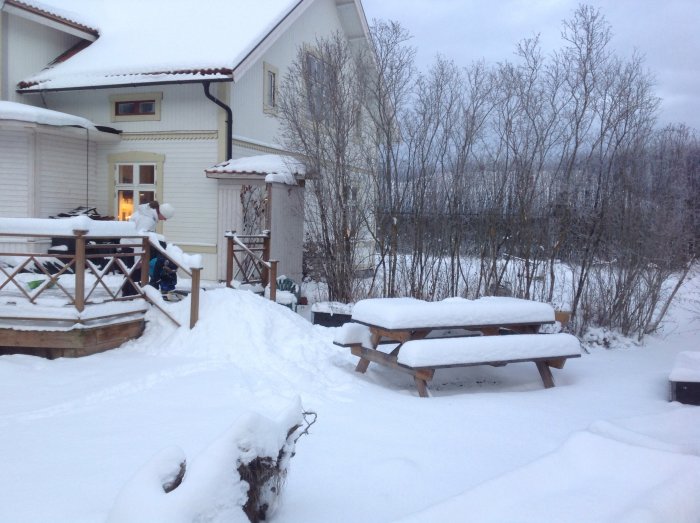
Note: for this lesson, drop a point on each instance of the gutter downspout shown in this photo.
(229, 119)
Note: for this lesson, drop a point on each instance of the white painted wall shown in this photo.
(319, 19)
(287, 224)
(185, 187)
(16, 164)
(29, 47)
(183, 108)
(65, 166)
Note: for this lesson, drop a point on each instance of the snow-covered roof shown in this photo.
(163, 41)
(275, 168)
(39, 115)
(51, 15)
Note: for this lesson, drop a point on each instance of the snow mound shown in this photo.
(167, 489)
(264, 340)
(568, 483)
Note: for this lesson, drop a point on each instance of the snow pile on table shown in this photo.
(236, 479)
(641, 483)
(687, 367)
(351, 333)
(399, 313)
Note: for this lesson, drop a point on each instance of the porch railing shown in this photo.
(248, 261)
(101, 268)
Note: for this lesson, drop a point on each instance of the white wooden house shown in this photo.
(162, 91)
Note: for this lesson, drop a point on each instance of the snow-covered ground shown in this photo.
(489, 445)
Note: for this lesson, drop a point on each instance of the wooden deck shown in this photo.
(72, 343)
(73, 304)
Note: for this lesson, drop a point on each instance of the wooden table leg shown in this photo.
(362, 365)
(422, 387)
(545, 374)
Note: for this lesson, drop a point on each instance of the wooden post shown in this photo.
(229, 258)
(194, 296)
(80, 269)
(145, 260)
(265, 273)
(273, 280)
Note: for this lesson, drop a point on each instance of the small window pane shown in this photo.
(147, 174)
(146, 197)
(125, 204)
(147, 107)
(126, 174)
(271, 86)
(126, 107)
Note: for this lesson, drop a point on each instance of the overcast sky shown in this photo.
(666, 32)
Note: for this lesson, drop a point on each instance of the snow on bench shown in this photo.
(478, 350)
(403, 313)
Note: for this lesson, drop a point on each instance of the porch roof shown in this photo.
(274, 168)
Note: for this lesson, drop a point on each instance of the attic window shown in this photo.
(269, 89)
(137, 106)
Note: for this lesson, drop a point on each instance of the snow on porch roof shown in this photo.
(162, 41)
(276, 168)
(39, 115)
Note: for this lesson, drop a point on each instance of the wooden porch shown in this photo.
(72, 304)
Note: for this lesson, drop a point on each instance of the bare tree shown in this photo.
(321, 101)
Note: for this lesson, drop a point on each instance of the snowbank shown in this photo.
(591, 478)
(168, 490)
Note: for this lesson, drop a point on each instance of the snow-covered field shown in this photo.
(489, 445)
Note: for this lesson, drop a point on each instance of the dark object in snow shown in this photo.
(687, 392)
(328, 319)
(90, 212)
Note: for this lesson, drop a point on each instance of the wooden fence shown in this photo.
(248, 261)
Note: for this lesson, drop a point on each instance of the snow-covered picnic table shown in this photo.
(454, 332)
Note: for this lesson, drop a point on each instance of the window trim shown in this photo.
(156, 98)
(268, 70)
(134, 157)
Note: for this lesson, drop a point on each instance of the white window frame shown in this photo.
(270, 88)
(136, 158)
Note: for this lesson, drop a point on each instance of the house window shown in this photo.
(270, 76)
(319, 81)
(135, 184)
(135, 107)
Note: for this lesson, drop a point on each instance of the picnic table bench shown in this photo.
(455, 332)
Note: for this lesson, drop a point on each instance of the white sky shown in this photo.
(667, 32)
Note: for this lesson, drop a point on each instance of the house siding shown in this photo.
(182, 108)
(250, 121)
(16, 166)
(65, 167)
(194, 197)
(29, 46)
(287, 221)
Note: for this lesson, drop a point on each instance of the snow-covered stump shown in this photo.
(238, 478)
